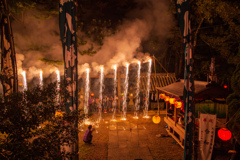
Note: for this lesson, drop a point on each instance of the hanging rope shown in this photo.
(160, 65)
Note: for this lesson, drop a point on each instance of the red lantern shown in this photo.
(162, 96)
(224, 134)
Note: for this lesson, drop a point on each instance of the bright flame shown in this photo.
(41, 79)
(124, 108)
(114, 92)
(135, 115)
(101, 83)
(58, 84)
(137, 105)
(100, 93)
(86, 92)
(24, 81)
(123, 119)
(148, 89)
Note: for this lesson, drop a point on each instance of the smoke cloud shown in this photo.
(38, 37)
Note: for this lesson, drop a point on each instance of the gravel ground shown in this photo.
(161, 148)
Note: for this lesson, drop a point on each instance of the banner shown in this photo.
(67, 24)
(8, 56)
(182, 8)
(207, 125)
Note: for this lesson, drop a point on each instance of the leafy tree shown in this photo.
(218, 28)
(30, 129)
(233, 101)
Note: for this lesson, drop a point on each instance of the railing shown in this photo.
(175, 130)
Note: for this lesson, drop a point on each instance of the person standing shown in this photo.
(105, 104)
(90, 103)
(110, 106)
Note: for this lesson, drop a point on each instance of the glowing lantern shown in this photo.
(178, 104)
(156, 119)
(162, 96)
(224, 134)
(225, 86)
(166, 99)
(172, 100)
(92, 94)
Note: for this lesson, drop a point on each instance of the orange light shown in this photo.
(172, 100)
(178, 104)
(166, 99)
(92, 94)
(156, 119)
(162, 96)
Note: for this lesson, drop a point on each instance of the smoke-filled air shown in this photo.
(37, 37)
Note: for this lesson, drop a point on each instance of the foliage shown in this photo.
(20, 6)
(29, 129)
(219, 32)
(233, 101)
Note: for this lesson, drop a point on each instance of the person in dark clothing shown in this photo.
(87, 138)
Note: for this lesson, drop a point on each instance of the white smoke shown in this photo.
(151, 17)
(39, 38)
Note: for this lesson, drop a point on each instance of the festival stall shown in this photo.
(208, 98)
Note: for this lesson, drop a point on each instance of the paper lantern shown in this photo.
(156, 119)
(224, 134)
(162, 96)
(172, 100)
(166, 99)
(178, 104)
(92, 94)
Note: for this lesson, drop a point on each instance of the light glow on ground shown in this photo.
(135, 117)
(146, 116)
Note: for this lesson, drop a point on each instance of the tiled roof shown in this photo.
(203, 90)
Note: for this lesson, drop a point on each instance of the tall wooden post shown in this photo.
(8, 59)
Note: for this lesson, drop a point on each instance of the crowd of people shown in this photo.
(106, 104)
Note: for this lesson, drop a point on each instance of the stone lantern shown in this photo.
(131, 97)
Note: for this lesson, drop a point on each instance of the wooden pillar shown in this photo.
(158, 102)
(119, 88)
(175, 114)
(166, 109)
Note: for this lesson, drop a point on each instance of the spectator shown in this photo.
(87, 138)
(90, 102)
